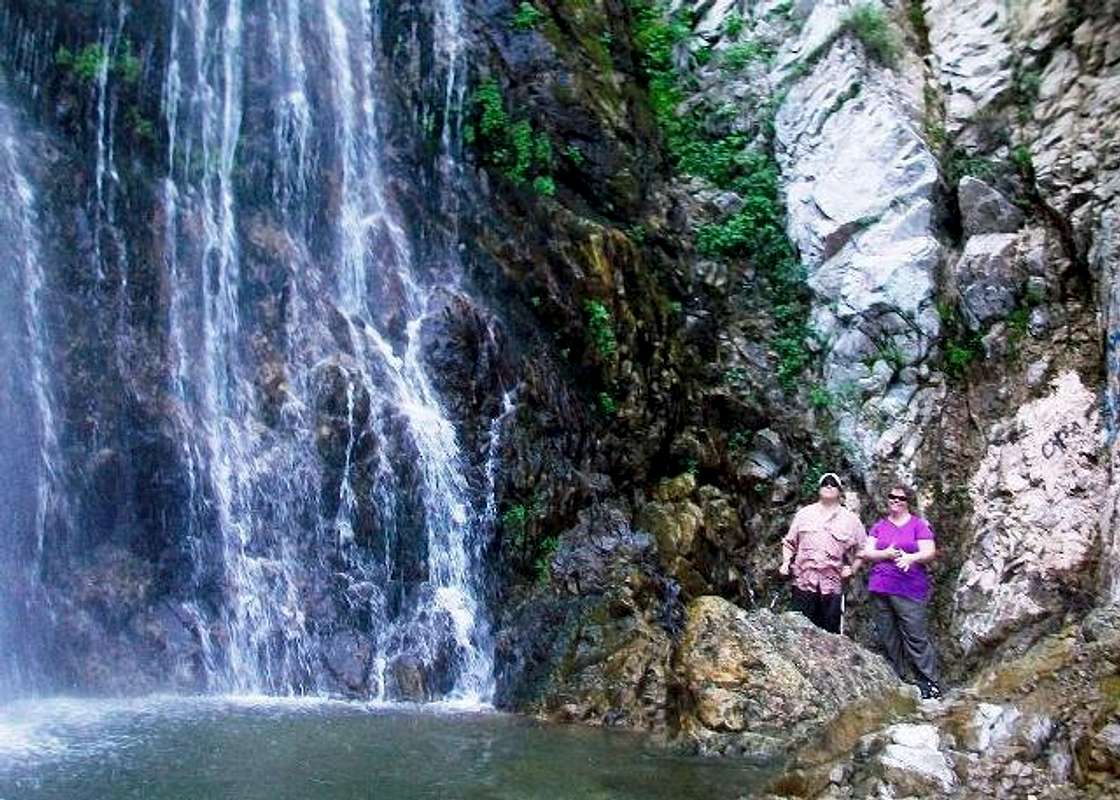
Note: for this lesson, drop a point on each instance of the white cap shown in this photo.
(832, 475)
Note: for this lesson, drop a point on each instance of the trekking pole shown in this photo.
(841, 610)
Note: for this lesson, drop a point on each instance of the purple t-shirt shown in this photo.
(886, 578)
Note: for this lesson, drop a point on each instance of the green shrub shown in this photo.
(514, 521)
(600, 328)
(959, 355)
(607, 404)
(126, 65)
(961, 164)
(544, 185)
(517, 150)
(869, 24)
(1021, 158)
(86, 64)
(141, 127)
(526, 17)
(756, 230)
(737, 56)
(820, 397)
(542, 567)
(733, 25)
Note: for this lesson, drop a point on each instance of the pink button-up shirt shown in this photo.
(821, 540)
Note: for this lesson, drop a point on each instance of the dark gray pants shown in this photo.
(903, 633)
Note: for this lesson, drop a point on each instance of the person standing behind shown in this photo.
(900, 545)
(822, 549)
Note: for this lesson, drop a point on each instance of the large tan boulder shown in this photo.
(756, 683)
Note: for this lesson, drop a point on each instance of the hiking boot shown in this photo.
(930, 691)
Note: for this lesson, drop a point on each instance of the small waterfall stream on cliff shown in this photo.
(28, 439)
(320, 528)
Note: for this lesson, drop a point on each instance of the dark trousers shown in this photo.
(823, 610)
(904, 635)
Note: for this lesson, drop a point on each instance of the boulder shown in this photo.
(757, 683)
(985, 210)
(347, 657)
(989, 278)
(767, 458)
(597, 551)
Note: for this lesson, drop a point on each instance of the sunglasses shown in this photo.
(899, 497)
(830, 482)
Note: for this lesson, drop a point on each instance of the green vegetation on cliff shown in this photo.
(513, 147)
(732, 162)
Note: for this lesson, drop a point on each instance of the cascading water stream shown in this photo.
(29, 447)
(301, 517)
(240, 470)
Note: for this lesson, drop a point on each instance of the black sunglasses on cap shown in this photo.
(830, 482)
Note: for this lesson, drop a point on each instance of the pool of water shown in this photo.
(243, 747)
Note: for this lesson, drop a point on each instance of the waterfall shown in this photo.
(29, 447)
(255, 488)
(313, 524)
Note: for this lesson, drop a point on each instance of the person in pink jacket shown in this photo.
(821, 551)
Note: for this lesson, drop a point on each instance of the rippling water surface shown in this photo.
(244, 747)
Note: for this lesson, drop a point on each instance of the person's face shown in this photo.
(829, 489)
(897, 501)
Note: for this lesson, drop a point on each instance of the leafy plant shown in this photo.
(733, 25)
(820, 396)
(755, 231)
(86, 64)
(737, 56)
(542, 567)
(869, 25)
(607, 404)
(126, 65)
(1021, 158)
(600, 328)
(517, 150)
(961, 164)
(544, 185)
(141, 127)
(527, 17)
(739, 440)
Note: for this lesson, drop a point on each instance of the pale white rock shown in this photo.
(859, 184)
(1037, 494)
(1037, 25)
(1104, 259)
(914, 735)
(912, 762)
(713, 17)
(991, 725)
(821, 23)
(972, 56)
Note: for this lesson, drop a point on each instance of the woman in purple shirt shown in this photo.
(899, 546)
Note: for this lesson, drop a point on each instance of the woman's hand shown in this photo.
(905, 560)
(887, 554)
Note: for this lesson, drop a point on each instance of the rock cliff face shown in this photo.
(946, 179)
(712, 249)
